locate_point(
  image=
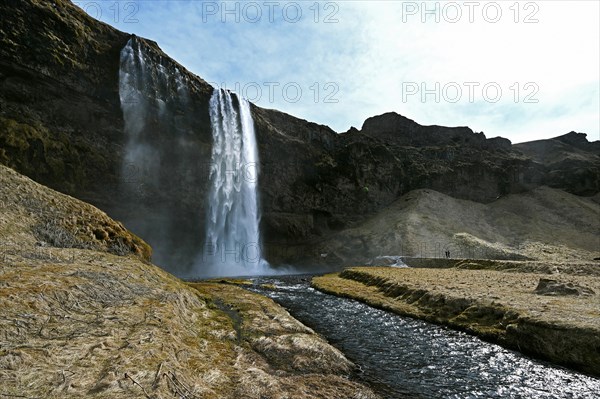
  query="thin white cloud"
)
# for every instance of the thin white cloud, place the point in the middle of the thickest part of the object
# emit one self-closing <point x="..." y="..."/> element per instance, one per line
<point x="371" y="54"/>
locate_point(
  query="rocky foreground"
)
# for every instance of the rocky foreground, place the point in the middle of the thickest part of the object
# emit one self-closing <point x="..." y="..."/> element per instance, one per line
<point x="548" y="311"/>
<point x="84" y="314"/>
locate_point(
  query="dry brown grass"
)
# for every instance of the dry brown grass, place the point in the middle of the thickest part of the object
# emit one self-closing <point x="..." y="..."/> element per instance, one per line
<point x="79" y="321"/>
<point x="58" y="220"/>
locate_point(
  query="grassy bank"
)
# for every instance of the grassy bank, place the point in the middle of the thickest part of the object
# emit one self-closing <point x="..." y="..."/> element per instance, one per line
<point x="557" y="319"/>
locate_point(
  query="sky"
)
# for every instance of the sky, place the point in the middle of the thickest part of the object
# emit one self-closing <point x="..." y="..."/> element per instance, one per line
<point x="524" y="70"/>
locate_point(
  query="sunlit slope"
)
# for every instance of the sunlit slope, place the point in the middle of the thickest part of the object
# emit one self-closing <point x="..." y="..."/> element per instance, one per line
<point x="544" y="224"/>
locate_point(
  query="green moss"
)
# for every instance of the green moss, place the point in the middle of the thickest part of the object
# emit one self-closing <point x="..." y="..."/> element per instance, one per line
<point x="32" y="149"/>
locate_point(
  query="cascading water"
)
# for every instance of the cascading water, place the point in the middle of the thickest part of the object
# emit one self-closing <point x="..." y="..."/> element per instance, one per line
<point x="161" y="171"/>
<point x="147" y="101"/>
<point x="140" y="158"/>
<point x="233" y="245"/>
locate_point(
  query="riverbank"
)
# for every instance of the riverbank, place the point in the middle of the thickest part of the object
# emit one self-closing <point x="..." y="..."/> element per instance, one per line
<point x="85" y="314"/>
<point x="550" y="315"/>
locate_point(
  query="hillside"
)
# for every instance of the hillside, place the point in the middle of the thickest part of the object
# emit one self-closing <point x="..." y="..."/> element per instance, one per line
<point x="543" y="224"/>
<point x="85" y="315"/>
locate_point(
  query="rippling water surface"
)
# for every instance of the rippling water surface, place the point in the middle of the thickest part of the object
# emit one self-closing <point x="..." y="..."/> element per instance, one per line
<point x="405" y="358"/>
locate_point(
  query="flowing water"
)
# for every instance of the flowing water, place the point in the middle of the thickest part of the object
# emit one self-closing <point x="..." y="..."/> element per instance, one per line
<point x="232" y="233"/>
<point x="405" y="358"/>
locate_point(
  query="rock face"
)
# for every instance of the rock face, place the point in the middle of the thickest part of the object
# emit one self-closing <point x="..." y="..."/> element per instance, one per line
<point x="569" y="162"/>
<point x="61" y="123"/>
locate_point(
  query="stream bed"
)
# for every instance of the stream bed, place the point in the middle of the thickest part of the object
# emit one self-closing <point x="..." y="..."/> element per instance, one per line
<point x="400" y="357"/>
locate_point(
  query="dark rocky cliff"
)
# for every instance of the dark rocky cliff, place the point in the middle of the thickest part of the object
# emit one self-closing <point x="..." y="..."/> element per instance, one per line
<point x="61" y="124"/>
<point x="569" y="162"/>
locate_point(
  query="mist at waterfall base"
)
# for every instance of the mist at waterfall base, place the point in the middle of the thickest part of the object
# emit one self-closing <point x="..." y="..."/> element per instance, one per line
<point x="165" y="134"/>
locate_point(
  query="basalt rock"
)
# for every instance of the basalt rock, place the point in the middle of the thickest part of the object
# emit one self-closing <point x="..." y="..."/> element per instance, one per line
<point x="569" y="162"/>
<point x="552" y="287"/>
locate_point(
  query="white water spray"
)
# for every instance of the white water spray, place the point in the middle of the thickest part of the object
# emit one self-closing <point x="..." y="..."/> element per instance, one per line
<point x="158" y="145"/>
<point x="143" y="88"/>
<point x="233" y="245"/>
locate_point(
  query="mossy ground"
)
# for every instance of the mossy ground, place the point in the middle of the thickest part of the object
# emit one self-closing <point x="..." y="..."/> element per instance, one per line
<point x="57" y="220"/>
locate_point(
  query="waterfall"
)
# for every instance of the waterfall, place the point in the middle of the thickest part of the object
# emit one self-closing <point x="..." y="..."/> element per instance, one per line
<point x="160" y="175"/>
<point x="233" y="245"/>
<point x="142" y="89"/>
<point x="163" y="170"/>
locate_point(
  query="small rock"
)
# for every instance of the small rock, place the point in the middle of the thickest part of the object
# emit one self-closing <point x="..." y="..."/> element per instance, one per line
<point x="557" y="288"/>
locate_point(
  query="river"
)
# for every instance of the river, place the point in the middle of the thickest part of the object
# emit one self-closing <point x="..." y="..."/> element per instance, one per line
<point x="400" y="357"/>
